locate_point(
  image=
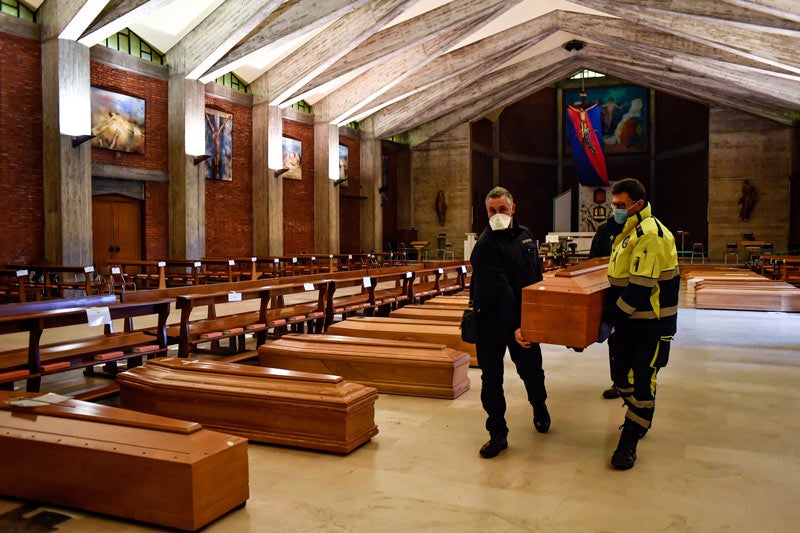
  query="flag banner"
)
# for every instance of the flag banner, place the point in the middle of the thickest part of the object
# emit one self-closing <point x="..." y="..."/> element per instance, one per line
<point x="590" y="162"/>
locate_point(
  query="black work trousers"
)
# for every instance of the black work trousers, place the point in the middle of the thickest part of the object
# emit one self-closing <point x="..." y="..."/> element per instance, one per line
<point x="529" y="367"/>
<point x="639" y="350"/>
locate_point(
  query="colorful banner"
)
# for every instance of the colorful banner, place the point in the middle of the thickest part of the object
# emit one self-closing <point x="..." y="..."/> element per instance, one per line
<point x="590" y="163"/>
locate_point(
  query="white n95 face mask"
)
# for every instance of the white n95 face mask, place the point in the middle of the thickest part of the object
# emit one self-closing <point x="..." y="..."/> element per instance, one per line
<point x="499" y="221"/>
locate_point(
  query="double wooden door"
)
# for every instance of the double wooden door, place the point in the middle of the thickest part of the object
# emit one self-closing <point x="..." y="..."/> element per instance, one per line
<point x="116" y="228"/>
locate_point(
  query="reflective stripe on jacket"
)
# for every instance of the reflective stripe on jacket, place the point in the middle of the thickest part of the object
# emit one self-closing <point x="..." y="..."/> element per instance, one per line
<point x="643" y="270"/>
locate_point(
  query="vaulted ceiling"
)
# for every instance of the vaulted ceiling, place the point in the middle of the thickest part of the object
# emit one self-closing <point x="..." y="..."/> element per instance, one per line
<point x="422" y="67"/>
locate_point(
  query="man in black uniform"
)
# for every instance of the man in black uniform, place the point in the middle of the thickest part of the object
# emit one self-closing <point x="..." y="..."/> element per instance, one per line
<point x="601" y="247"/>
<point x="504" y="260"/>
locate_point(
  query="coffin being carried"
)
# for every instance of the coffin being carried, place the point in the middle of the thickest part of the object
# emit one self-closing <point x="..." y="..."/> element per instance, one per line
<point x="567" y="308"/>
<point x="118" y="462"/>
<point x="272" y="405"/>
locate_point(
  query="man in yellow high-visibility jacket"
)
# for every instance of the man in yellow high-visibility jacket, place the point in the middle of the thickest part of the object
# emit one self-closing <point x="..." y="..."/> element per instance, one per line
<point x="641" y="312"/>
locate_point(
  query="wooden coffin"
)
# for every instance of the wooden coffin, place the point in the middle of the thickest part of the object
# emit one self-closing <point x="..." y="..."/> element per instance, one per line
<point x="263" y="404"/>
<point x="458" y="302"/>
<point x="731" y="277"/>
<point x="567" y="308"/>
<point x="425" y="312"/>
<point x="122" y="463"/>
<point x="766" y="296"/>
<point x="396" y="367"/>
<point x="406" y="329"/>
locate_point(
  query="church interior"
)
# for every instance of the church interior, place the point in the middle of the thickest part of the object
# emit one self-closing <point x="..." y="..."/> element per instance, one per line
<point x="237" y="257"/>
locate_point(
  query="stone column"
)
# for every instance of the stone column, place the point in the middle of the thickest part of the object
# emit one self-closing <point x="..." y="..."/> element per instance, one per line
<point x="187" y="198"/>
<point x="267" y="158"/>
<point x="371" y="172"/>
<point x="66" y="112"/>
<point x="326" y="196"/>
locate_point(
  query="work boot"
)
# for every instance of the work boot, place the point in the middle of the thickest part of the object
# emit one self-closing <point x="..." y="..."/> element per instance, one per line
<point x="493" y="447"/>
<point x="625" y="455"/>
<point x="610" y="394"/>
<point x="541" y="418"/>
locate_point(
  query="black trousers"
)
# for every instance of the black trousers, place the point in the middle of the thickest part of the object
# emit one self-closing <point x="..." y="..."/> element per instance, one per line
<point x="529" y="367"/>
<point x="639" y="350"/>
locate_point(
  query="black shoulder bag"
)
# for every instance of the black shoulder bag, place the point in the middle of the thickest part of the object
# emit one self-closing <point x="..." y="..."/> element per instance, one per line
<point x="469" y="320"/>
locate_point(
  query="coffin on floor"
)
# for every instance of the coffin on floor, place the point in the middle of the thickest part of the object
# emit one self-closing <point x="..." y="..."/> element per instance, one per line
<point x="406" y="329"/>
<point x="277" y="406"/>
<point x="426" y="312"/>
<point x="761" y="296"/>
<point x="567" y="308"/>
<point x="397" y="367"/>
<point x="121" y="463"/>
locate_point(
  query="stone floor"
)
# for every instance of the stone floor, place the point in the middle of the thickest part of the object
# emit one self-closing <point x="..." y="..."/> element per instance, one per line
<point x="723" y="454"/>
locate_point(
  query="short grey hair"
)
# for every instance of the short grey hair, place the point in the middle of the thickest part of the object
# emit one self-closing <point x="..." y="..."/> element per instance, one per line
<point x="500" y="192"/>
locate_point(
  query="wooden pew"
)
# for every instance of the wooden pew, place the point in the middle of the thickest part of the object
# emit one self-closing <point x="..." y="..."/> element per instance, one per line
<point x="429" y="312"/>
<point x="395" y="367"/>
<point x="53" y="280"/>
<point x="148" y="274"/>
<point x="36" y="360"/>
<point x="350" y="303"/>
<point x="121" y="463"/>
<point x="447" y="333"/>
<point x="392" y="289"/>
<point x="316" y="411"/>
<point x="14" y="285"/>
<point x="216" y="326"/>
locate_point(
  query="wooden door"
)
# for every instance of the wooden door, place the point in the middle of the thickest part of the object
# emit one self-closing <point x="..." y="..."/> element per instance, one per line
<point x="116" y="225"/>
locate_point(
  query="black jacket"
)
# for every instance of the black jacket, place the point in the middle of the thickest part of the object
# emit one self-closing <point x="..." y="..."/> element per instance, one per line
<point x="604" y="237"/>
<point x="503" y="262"/>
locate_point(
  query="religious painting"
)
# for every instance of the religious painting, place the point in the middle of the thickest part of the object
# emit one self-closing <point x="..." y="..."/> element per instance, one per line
<point x="219" y="145"/>
<point x="624" y="112"/>
<point x="594" y="206"/>
<point x="117" y="121"/>
<point x="343" y="164"/>
<point x="292" y="156"/>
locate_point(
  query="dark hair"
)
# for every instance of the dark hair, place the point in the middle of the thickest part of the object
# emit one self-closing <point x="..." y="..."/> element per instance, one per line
<point x="633" y="187"/>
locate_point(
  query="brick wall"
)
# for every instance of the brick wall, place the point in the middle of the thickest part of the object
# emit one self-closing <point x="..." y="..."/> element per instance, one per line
<point x="229" y="211"/>
<point x="298" y="195"/>
<point x="154" y="92"/>
<point x="21" y="174"/>
<point x="349" y="201"/>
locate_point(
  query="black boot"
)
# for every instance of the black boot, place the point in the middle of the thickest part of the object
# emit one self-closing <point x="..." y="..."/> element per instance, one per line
<point x="493" y="447"/>
<point x="610" y="394"/>
<point x="625" y="455"/>
<point x="541" y="418"/>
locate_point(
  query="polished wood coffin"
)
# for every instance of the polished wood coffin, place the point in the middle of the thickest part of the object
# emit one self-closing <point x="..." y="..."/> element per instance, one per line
<point x="458" y="302"/>
<point x="567" y="308"/>
<point x="759" y="296"/>
<point x="406" y="329"/>
<point x="396" y="367"/>
<point x="122" y="463"/>
<point x="271" y="405"/>
<point x="426" y="312"/>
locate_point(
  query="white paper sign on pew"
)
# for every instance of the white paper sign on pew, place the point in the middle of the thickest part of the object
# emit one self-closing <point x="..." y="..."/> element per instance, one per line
<point x="116" y="270"/>
<point x="308" y="286"/>
<point x="98" y="316"/>
<point x="409" y="275"/>
<point x="234" y="296"/>
<point x="463" y="269"/>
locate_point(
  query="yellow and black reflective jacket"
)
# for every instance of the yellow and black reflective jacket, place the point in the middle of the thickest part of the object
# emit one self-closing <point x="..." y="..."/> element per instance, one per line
<point x="643" y="272"/>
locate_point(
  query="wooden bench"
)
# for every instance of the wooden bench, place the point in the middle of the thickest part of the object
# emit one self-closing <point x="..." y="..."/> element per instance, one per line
<point x="194" y="331"/>
<point x="447" y="333"/>
<point x="37" y="360"/>
<point x="395" y="367"/>
<point x="59" y="281"/>
<point x="148" y="274"/>
<point x="121" y="463"/>
<point x="392" y="290"/>
<point x="316" y="411"/>
<point x="351" y="303"/>
<point x="14" y="286"/>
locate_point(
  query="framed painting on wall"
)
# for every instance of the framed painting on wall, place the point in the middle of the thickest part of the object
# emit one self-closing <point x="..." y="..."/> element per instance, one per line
<point x="292" y="158"/>
<point x="219" y="144"/>
<point x="624" y="112"/>
<point x="343" y="164"/>
<point x="117" y="121"/>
